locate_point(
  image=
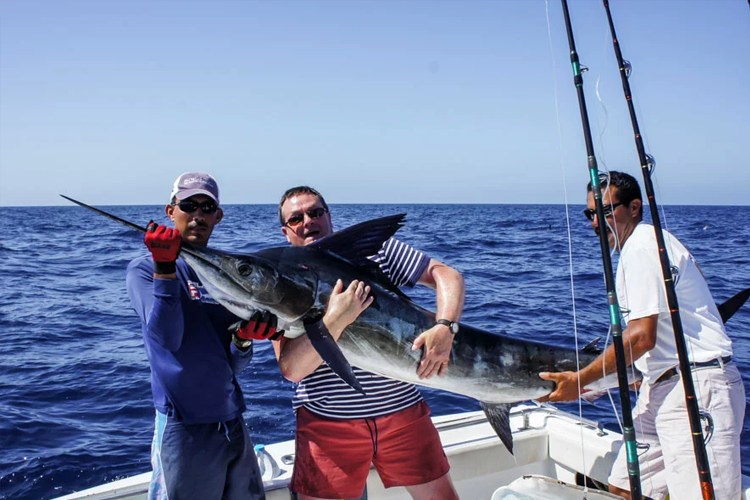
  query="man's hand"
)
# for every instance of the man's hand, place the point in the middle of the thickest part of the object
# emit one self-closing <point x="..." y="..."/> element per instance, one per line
<point x="260" y="326"/>
<point x="164" y="244"/>
<point x="566" y="388"/>
<point x="345" y="306"/>
<point x="437" y="343"/>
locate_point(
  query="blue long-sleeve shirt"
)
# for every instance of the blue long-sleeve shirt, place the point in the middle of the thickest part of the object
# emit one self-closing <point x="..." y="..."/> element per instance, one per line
<point x="192" y="356"/>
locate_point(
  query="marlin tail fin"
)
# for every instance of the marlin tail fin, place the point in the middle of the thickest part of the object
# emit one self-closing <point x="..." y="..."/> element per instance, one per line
<point x="728" y="308"/>
<point x="499" y="418"/>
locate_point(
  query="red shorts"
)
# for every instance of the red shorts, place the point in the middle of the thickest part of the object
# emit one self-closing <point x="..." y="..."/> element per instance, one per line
<point x="333" y="456"/>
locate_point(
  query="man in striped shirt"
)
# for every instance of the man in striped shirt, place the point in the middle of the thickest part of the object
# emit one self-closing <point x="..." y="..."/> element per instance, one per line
<point x="339" y="431"/>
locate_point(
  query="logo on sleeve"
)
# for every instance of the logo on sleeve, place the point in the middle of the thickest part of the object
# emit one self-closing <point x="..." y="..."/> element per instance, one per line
<point x="199" y="292"/>
<point x="675" y="274"/>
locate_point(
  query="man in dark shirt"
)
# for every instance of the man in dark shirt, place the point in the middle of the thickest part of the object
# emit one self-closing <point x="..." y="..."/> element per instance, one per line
<point x="201" y="448"/>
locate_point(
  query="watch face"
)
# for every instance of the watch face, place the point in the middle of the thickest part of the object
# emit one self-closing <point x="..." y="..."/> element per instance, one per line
<point x="452" y="325"/>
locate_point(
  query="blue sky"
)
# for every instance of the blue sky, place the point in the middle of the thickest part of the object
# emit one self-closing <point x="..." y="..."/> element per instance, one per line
<point x="368" y="101"/>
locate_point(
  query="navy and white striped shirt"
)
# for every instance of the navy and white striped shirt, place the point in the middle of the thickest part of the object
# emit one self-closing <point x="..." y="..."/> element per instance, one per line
<point x="324" y="393"/>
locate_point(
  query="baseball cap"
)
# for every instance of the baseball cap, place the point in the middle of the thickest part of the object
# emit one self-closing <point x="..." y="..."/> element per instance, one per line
<point x="192" y="183"/>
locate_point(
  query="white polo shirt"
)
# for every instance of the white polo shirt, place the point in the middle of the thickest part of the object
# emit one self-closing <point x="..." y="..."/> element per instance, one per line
<point x="641" y="292"/>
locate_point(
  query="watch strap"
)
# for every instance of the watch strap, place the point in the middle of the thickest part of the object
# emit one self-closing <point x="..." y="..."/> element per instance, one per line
<point x="452" y="325"/>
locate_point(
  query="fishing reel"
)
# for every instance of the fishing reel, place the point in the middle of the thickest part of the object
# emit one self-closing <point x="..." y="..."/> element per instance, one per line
<point x="708" y="429"/>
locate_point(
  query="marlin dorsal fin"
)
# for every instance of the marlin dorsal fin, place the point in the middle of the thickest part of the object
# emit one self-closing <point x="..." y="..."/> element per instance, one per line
<point x="357" y="242"/>
<point x="592" y="347"/>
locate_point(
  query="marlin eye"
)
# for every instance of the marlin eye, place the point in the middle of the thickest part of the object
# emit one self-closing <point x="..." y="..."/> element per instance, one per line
<point x="244" y="268"/>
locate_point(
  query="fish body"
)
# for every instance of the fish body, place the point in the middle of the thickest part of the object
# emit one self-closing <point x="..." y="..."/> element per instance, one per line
<point x="295" y="283"/>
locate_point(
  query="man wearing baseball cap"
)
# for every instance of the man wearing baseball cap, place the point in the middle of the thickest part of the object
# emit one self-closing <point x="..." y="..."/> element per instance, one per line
<point x="201" y="448"/>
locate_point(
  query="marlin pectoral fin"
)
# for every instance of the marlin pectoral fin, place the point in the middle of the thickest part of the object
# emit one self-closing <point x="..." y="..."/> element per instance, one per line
<point x="728" y="308"/>
<point x="327" y="348"/>
<point x="499" y="418"/>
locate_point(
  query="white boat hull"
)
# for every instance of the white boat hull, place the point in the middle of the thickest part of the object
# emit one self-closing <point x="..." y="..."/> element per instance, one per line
<point x="547" y="442"/>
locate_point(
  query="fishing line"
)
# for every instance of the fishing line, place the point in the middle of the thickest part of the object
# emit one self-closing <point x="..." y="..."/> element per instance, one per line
<point x="647" y="166"/>
<point x="602" y="107"/>
<point x="663" y="212"/>
<point x="570" y="235"/>
<point x="600" y="139"/>
<point x="633" y="468"/>
<point x="617" y="246"/>
<point x="609" y="391"/>
<point x="688" y="340"/>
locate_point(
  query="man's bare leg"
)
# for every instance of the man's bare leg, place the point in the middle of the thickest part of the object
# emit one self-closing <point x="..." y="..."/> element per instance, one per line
<point x="439" y="489"/>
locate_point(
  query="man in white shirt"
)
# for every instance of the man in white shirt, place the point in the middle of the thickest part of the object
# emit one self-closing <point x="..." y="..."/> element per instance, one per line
<point x="660" y="416"/>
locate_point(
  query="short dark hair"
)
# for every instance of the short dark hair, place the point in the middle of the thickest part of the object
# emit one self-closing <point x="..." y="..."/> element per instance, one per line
<point x="299" y="190"/>
<point x="626" y="187"/>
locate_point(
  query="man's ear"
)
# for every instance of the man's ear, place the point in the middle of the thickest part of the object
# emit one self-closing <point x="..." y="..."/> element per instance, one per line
<point x="219" y="215"/>
<point x="169" y="210"/>
<point x="635" y="208"/>
<point x="284" y="231"/>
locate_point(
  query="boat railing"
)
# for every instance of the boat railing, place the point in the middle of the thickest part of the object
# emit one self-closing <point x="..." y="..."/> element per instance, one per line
<point x="525" y="412"/>
<point x="554" y="412"/>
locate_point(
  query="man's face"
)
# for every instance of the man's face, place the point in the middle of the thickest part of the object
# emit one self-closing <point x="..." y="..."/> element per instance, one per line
<point x="309" y="229"/>
<point x="195" y="226"/>
<point x="622" y="219"/>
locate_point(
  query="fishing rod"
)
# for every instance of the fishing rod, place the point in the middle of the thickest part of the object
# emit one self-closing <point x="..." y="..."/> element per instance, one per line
<point x="634" y="474"/>
<point x="647" y="168"/>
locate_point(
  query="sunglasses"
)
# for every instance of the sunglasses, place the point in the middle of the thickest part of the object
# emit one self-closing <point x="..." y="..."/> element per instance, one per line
<point x="297" y="219"/>
<point x="608" y="209"/>
<point x="208" y="207"/>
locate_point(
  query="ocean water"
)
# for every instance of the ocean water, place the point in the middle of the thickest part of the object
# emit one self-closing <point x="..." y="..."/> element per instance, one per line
<point x="75" y="402"/>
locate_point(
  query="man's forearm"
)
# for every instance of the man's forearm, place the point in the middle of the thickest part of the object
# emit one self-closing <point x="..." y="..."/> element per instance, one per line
<point x="636" y="344"/>
<point x="298" y="358"/>
<point x="157" y="303"/>
<point x="450" y="292"/>
<point x="166" y="321"/>
<point x="605" y="364"/>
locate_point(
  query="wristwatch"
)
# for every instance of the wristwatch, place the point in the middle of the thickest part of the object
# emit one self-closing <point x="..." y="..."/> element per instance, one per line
<point x="452" y="325"/>
<point x="242" y="344"/>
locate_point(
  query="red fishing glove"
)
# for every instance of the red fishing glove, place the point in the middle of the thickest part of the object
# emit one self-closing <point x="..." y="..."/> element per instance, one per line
<point x="164" y="244"/>
<point x="260" y="326"/>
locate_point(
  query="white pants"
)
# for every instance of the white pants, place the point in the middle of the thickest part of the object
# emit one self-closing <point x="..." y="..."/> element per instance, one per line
<point x="660" y="419"/>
